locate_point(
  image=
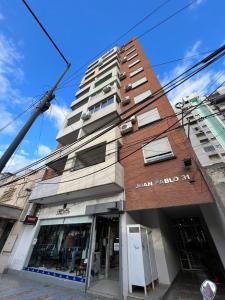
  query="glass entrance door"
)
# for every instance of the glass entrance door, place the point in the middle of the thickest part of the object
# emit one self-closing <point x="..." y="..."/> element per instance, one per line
<point x="105" y="255"/>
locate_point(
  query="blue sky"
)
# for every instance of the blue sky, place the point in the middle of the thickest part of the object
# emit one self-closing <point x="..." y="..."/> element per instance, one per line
<point x="29" y="64"/>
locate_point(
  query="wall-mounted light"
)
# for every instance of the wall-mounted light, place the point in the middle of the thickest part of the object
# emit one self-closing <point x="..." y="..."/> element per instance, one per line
<point x="187" y="162"/>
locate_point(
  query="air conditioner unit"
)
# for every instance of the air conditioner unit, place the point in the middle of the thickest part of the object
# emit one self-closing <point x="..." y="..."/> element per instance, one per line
<point x="86" y="115"/>
<point x="128" y="87"/>
<point x="107" y="89"/>
<point x="126" y="127"/>
<point x="133" y="119"/>
<point x="123" y="60"/>
<point x="122" y="75"/>
<point x="125" y="100"/>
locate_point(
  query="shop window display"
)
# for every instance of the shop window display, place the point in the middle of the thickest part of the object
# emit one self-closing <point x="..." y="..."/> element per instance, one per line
<point x="62" y="248"/>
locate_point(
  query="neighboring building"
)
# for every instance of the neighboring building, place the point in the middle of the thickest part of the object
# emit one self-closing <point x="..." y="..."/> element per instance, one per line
<point x="14" y="207"/>
<point x="94" y="202"/>
<point x="206" y="131"/>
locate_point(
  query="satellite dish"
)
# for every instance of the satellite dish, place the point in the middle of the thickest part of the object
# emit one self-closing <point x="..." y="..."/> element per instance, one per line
<point x="208" y="290"/>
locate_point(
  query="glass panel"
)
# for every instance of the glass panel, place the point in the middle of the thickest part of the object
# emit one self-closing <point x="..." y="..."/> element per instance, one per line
<point x="62" y="248"/>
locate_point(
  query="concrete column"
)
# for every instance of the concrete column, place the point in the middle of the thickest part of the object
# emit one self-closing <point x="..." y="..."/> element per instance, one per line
<point x="216" y="225"/>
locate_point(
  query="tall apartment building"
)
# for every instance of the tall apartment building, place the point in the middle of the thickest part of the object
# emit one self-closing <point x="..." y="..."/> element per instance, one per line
<point x="98" y="200"/>
<point x="206" y="128"/>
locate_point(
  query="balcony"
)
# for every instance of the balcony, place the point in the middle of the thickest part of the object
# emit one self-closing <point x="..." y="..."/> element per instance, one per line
<point x="69" y="134"/>
<point x="87" y="173"/>
<point x="101" y="95"/>
<point x="70" y="186"/>
<point x="101" y="118"/>
<point x="45" y="189"/>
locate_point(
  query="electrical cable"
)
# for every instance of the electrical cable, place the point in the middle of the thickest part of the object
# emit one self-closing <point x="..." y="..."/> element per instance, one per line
<point x="45" y="31"/>
<point x="76" y="84"/>
<point x="118" y="39"/>
<point x="149" y="30"/>
<point x="138" y="141"/>
<point x="20" y="114"/>
<point x="116" y="124"/>
<point x="155" y="100"/>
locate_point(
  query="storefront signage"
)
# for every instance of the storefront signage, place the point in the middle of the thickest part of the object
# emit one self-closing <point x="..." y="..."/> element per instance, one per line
<point x="30" y="220"/>
<point x="167" y="180"/>
<point x="63" y="211"/>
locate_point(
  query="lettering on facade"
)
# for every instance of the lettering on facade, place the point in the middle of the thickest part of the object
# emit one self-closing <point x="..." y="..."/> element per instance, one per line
<point x="63" y="211"/>
<point x="167" y="180"/>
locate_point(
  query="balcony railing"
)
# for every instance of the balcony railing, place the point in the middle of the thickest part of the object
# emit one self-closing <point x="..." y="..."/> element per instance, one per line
<point x="45" y="189"/>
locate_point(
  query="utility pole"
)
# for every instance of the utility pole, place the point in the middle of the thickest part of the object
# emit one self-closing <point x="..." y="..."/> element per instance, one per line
<point x="42" y="106"/>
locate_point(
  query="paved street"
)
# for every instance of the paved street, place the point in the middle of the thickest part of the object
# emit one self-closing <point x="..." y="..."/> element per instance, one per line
<point x="15" y="288"/>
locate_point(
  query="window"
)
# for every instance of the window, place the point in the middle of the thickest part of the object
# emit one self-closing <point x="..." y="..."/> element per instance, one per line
<point x="148" y="117"/>
<point x="134" y="63"/>
<point x="218" y="146"/>
<point x="136" y="71"/>
<point x="90" y="157"/>
<point x="131" y="51"/>
<point x="141" y="97"/>
<point x="200" y="134"/>
<point x="132" y="56"/>
<point x="101" y="104"/>
<point x="74" y="119"/>
<point x="157" y="150"/>
<point x="107" y="77"/>
<point x="204" y="141"/>
<point x="209" y="148"/>
<point x="81" y="103"/>
<point x="139" y="82"/>
<point x="81" y="93"/>
<point x="214" y="156"/>
<point x="130" y="47"/>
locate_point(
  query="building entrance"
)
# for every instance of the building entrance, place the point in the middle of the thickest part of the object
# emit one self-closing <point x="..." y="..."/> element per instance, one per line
<point x="195" y="247"/>
<point x="104" y="269"/>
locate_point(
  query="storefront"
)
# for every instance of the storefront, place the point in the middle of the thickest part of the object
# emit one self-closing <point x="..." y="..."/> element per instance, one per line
<point x="79" y="242"/>
<point x="61" y="248"/>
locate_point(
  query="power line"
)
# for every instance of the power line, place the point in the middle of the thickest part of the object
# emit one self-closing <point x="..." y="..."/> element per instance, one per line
<point x="138" y="141"/>
<point x="38" y="162"/>
<point x="69" y="79"/>
<point x="69" y="146"/>
<point x="20" y="114"/>
<point x="166" y="19"/>
<point x="152" y="66"/>
<point x="126" y="156"/>
<point x="46" y="33"/>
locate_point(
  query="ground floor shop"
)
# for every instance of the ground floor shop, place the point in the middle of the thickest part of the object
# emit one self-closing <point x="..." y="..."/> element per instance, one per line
<point x="114" y="253"/>
<point x="68" y="245"/>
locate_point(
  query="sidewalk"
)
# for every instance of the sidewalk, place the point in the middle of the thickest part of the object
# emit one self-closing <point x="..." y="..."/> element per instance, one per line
<point x="16" y="288"/>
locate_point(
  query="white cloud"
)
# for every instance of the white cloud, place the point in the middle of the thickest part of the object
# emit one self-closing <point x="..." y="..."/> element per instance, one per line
<point x="57" y="114"/>
<point x="197" y="3"/>
<point x="6" y="117"/>
<point x="18" y="161"/>
<point x="10" y="73"/>
<point x="43" y="150"/>
<point x="201" y="83"/>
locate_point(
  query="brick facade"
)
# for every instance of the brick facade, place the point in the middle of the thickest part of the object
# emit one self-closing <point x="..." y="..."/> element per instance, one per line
<point x="175" y="191"/>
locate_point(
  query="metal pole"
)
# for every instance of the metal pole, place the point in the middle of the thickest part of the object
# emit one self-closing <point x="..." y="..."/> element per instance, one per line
<point x="43" y="105"/>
